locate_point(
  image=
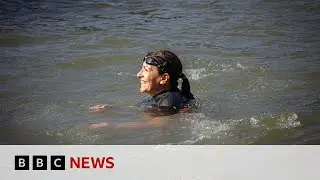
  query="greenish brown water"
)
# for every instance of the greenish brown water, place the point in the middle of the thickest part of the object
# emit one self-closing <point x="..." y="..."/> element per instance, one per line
<point x="253" y="68"/>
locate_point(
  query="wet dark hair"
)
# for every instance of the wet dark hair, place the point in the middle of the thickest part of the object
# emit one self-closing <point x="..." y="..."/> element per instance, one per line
<point x="172" y="65"/>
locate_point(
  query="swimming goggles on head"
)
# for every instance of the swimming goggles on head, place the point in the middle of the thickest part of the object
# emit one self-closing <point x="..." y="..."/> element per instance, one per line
<point x="156" y="61"/>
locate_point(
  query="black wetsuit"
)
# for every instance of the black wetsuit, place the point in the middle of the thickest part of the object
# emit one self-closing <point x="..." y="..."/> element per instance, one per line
<point x="170" y="98"/>
<point x="167" y="102"/>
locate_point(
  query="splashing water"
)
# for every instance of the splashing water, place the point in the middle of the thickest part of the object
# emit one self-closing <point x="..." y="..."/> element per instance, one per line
<point x="204" y="129"/>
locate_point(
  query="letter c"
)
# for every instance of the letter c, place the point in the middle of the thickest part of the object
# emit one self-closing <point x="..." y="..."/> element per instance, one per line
<point x="55" y="162"/>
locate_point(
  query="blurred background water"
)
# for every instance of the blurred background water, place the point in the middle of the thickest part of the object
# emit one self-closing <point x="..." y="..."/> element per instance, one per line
<point x="253" y="66"/>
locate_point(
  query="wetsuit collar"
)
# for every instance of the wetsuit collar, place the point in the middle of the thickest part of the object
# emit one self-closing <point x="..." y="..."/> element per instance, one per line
<point x="167" y="90"/>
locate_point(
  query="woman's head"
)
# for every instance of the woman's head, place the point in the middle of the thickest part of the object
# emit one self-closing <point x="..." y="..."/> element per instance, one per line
<point x="160" y="71"/>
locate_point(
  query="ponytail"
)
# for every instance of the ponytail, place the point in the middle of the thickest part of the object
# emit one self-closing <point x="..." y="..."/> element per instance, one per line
<point x="185" y="87"/>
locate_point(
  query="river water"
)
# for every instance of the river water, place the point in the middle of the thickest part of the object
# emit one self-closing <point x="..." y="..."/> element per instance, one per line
<point x="253" y="66"/>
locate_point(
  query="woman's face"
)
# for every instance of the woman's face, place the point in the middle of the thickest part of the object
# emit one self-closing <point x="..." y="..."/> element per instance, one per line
<point x="149" y="79"/>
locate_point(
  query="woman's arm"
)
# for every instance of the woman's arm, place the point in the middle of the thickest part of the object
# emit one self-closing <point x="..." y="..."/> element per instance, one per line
<point x="156" y="117"/>
<point x="155" y="122"/>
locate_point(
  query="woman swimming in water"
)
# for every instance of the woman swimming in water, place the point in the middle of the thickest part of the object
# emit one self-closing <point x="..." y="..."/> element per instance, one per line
<point x="158" y="77"/>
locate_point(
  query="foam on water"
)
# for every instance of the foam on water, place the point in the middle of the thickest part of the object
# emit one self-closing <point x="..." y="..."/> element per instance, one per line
<point x="215" y="68"/>
<point x="259" y="84"/>
<point x="197" y="74"/>
<point x="231" y="131"/>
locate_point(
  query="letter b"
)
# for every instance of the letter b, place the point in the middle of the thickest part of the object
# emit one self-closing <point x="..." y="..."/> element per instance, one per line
<point x="21" y="162"/>
<point x="39" y="162"/>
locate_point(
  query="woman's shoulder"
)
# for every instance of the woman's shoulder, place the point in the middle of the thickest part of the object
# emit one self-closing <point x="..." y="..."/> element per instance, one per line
<point x="146" y="103"/>
<point x="170" y="99"/>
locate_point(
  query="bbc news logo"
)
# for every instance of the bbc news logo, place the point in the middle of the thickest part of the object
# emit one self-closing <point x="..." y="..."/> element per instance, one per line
<point x="58" y="162"/>
<point x="39" y="162"/>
